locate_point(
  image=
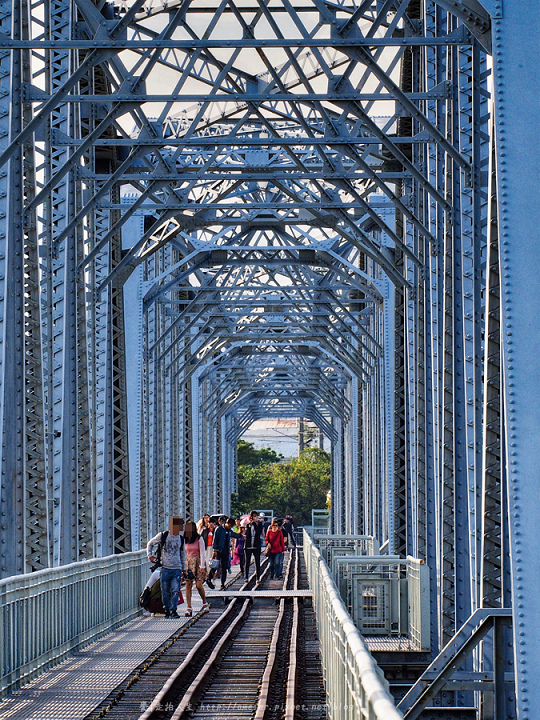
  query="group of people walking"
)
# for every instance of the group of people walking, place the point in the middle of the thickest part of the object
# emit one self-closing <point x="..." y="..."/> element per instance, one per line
<point x="181" y="553"/>
<point x="197" y="552"/>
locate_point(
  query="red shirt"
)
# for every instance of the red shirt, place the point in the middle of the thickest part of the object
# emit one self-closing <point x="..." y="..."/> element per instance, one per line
<point x="275" y="539"/>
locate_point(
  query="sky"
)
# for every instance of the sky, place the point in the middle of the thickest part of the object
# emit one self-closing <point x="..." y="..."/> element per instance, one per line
<point x="279" y="434"/>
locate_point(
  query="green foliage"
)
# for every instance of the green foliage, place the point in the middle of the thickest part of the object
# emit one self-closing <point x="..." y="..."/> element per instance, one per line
<point x="249" y="455"/>
<point x="295" y="487"/>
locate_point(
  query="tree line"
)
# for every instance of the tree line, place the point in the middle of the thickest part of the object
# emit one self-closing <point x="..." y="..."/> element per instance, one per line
<point x="295" y="487"/>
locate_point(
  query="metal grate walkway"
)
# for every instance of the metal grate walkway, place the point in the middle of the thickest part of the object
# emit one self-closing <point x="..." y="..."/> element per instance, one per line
<point x="73" y="688"/>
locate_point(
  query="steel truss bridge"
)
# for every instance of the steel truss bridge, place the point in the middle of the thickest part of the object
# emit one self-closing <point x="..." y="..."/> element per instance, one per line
<point x="215" y="211"/>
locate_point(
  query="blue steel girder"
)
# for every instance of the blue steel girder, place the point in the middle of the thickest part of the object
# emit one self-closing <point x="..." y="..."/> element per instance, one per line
<point x="313" y="181"/>
<point x="332" y="407"/>
<point x="516" y="88"/>
<point x="12" y="491"/>
<point x="349" y="167"/>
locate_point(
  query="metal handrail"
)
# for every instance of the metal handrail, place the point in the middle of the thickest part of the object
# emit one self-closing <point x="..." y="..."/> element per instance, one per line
<point x="47" y="614"/>
<point x="355" y="686"/>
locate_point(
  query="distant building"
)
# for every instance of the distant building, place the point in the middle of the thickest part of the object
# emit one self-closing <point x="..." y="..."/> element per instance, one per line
<point x="282" y="435"/>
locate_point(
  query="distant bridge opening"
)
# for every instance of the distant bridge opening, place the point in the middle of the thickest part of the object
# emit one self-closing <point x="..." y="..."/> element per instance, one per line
<point x="215" y="212"/>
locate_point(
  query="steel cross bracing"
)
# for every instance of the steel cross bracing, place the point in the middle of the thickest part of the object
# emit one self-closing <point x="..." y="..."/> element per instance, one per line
<point x="243" y="209"/>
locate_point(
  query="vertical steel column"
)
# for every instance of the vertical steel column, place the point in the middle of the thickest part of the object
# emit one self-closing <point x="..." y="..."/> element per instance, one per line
<point x="150" y="489"/>
<point x="158" y="478"/>
<point x="492" y="491"/>
<point x="12" y="401"/>
<point x="401" y="506"/>
<point x="474" y="142"/>
<point x="435" y="75"/>
<point x="382" y="476"/>
<point x="170" y="496"/>
<point x="174" y="452"/>
<point x="83" y="474"/>
<point x="455" y="599"/>
<point x="517" y="89"/>
<point x="196" y="445"/>
<point x="224" y="449"/>
<point x="224" y="499"/>
<point x="360" y="464"/>
<point x="369" y="499"/>
<point x="38" y="516"/>
<point x="353" y="450"/>
<point x="337" y="479"/>
<point x="189" y="445"/>
<point x="60" y="299"/>
<point x="98" y="339"/>
<point x="389" y="409"/>
<point x="119" y="415"/>
<point x="134" y="343"/>
<point x="416" y="497"/>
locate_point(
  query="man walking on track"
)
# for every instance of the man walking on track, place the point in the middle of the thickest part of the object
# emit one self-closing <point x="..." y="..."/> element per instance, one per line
<point x="254" y="531"/>
<point x="288" y="530"/>
<point x="222" y="547"/>
<point x="167" y="548"/>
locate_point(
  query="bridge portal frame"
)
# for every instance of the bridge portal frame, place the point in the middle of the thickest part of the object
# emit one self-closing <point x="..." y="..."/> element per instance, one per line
<point x="64" y="482"/>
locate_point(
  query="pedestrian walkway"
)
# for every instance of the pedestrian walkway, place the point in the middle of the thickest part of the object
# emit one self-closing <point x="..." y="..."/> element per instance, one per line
<point x="73" y="688"/>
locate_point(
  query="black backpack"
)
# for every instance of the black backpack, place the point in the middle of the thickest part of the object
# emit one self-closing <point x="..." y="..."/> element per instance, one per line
<point x="159" y="551"/>
<point x="162" y="540"/>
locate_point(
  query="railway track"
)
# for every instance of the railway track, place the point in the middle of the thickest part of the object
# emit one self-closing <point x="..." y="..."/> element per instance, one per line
<point x="242" y="663"/>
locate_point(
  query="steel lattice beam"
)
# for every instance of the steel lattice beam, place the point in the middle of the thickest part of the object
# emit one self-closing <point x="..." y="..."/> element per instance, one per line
<point x="262" y="209"/>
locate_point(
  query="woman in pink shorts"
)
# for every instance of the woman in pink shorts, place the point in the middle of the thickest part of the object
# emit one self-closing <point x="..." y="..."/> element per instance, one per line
<point x="196" y="565"/>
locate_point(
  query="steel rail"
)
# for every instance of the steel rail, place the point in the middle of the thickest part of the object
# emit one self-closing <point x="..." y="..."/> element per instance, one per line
<point x="290" y="703"/>
<point x="292" y="676"/>
<point x="198" y="686"/>
<point x="263" y="706"/>
<point x="170" y="686"/>
<point x="261" y="712"/>
<point x="190" y="703"/>
<point x="202" y="645"/>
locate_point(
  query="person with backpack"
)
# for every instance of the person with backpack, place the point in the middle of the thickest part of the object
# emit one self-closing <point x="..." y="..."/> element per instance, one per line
<point x="168" y="550"/>
<point x="239" y="553"/>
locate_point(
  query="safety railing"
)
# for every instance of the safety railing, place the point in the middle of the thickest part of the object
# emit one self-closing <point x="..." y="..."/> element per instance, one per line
<point x="333" y="546"/>
<point x="355" y="686"/>
<point x="419" y="610"/>
<point x="386" y="595"/>
<point x="320" y="520"/>
<point x="47" y="614"/>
